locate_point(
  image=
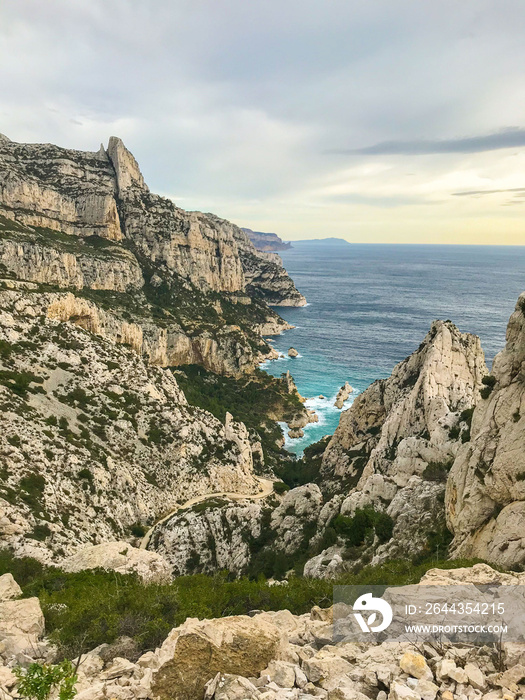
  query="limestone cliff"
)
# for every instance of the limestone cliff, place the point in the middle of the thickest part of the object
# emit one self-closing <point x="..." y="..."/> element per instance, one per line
<point x="95" y="441"/>
<point x="387" y="464"/>
<point x="394" y="446"/>
<point x="88" y="222"/>
<point x="485" y="500"/>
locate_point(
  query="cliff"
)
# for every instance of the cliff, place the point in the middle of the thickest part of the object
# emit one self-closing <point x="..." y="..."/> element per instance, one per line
<point x="268" y="242"/>
<point x="95" y="441"/>
<point x="485" y="499"/>
<point x="87" y="223"/>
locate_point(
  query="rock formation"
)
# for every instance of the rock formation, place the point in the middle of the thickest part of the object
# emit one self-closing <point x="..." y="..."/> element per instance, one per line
<point x="95" y="440"/>
<point x="342" y="395"/>
<point x="292" y="352"/>
<point x="266" y="242"/>
<point x="485" y="499"/>
<point x="394" y="446"/>
<point x="88" y="222"/>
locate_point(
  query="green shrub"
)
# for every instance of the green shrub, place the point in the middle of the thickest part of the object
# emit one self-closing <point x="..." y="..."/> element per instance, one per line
<point x="454" y="432"/>
<point x="88" y="608"/>
<point x="40" y="532"/>
<point x="138" y="530"/>
<point x="488" y="381"/>
<point x="466" y="415"/>
<point x="280" y="487"/>
<point x="38" y="681"/>
<point x="365" y="521"/>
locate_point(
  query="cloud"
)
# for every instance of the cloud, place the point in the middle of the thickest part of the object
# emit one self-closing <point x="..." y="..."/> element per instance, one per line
<point x="507" y="138"/>
<point x="518" y="192"/>
<point x="232" y="106"/>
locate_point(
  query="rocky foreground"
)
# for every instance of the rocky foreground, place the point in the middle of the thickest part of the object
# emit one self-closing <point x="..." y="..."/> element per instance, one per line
<point x="271" y="656"/>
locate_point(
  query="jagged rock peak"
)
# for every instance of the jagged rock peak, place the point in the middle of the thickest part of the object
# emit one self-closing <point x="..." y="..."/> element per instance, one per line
<point x="394" y="445"/>
<point x="4" y="138"/>
<point x="126" y="167"/>
<point x="485" y="499"/>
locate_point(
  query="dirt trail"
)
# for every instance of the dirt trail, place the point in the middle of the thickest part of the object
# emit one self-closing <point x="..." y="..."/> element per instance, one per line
<point x="266" y="490"/>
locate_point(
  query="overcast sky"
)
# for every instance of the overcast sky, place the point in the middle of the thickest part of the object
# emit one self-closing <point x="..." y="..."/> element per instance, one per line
<point x="373" y="120"/>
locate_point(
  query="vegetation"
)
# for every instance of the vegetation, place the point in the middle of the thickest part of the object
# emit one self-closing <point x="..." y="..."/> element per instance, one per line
<point x="363" y="524"/>
<point x="489" y="381"/>
<point x="296" y="472"/>
<point x="38" y="681"/>
<point x="88" y="608"/>
<point x="257" y="399"/>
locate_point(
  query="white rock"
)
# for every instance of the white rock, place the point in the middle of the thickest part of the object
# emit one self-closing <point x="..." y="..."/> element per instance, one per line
<point x="9" y="588"/>
<point x="120" y="557"/>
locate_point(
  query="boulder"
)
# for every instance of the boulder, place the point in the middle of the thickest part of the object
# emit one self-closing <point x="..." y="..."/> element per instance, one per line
<point x="292" y="352"/>
<point x="415" y="665"/>
<point x="120" y="557"/>
<point x="22" y="618"/>
<point x="9" y="588"/>
<point x="479" y="574"/>
<point x="195" y="652"/>
<point x="296" y="433"/>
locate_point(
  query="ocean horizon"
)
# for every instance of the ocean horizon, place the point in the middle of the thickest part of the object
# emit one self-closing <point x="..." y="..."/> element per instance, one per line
<point x="370" y="305"/>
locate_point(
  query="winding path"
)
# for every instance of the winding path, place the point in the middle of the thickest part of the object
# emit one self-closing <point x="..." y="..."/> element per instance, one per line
<point x="266" y="490"/>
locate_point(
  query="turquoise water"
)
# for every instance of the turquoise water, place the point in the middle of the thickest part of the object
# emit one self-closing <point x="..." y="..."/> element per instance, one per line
<point x="369" y="306"/>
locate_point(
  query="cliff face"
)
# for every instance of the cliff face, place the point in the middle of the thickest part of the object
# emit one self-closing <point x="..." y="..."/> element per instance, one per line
<point x="59" y="189"/>
<point x="95" y="440"/>
<point x="268" y="242"/>
<point x="389" y="458"/>
<point x="192" y="286"/>
<point x="393" y="448"/>
<point x="485" y="500"/>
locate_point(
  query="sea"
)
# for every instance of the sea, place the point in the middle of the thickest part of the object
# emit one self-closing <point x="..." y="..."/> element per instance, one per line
<point x="370" y="306"/>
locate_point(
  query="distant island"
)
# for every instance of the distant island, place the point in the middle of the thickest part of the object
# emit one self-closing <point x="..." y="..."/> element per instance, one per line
<point x="267" y="242"/>
<point x="321" y="242"/>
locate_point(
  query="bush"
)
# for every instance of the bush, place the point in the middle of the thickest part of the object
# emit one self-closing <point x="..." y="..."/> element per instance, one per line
<point x="138" y="530"/>
<point x="40" y="680"/>
<point x="489" y="381"/>
<point x="88" y="608"/>
<point x="364" y="522"/>
<point x="280" y="487"/>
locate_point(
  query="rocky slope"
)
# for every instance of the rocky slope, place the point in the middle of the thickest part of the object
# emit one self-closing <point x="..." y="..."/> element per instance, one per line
<point x="485" y="499"/>
<point x="381" y="483"/>
<point x="87" y="222"/>
<point x="95" y="440"/>
<point x="273" y="656"/>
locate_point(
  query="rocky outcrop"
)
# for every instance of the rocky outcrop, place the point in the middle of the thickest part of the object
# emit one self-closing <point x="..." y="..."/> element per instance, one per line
<point x="393" y="448"/>
<point x="70" y="191"/>
<point x="292" y="352"/>
<point x="266" y="241"/>
<point x="67" y="262"/>
<point x="485" y="499"/>
<point x="266" y="280"/>
<point x="95" y="440"/>
<point x="87" y="221"/>
<point x="21" y="629"/>
<point x="342" y="395"/>
<point x="195" y="652"/>
<point x="122" y="558"/>
<point x="219" y="535"/>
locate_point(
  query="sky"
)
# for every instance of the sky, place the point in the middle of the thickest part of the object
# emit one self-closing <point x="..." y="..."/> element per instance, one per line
<point x="384" y="121"/>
